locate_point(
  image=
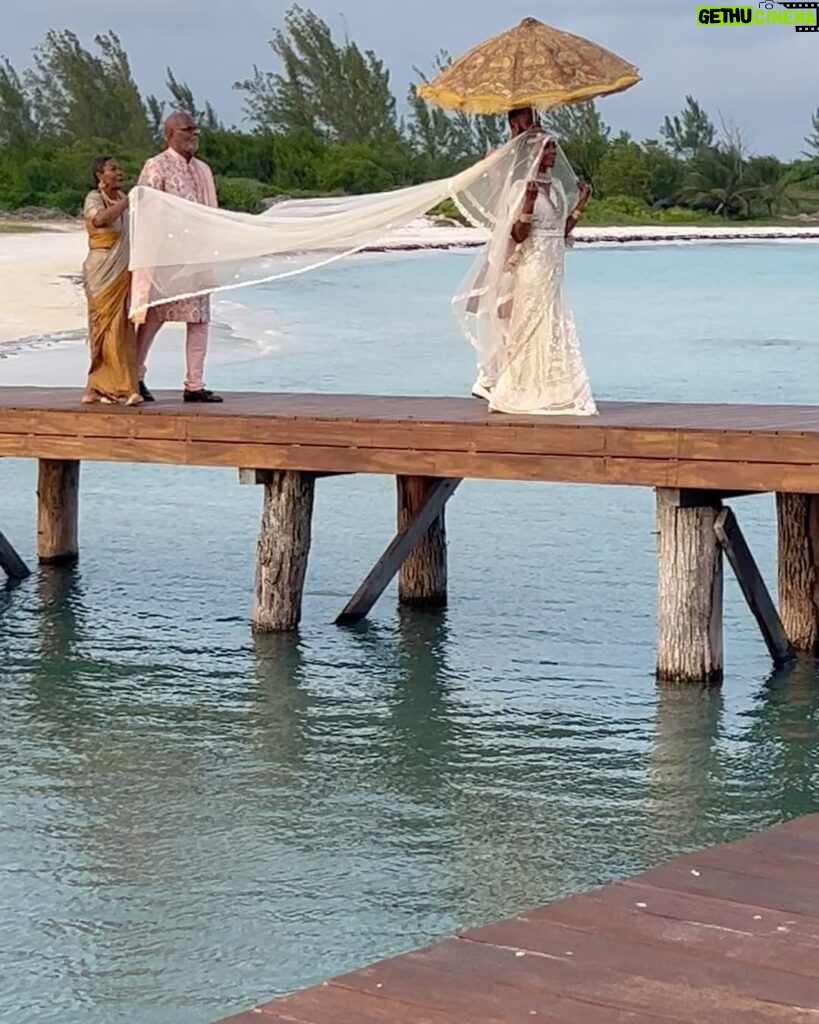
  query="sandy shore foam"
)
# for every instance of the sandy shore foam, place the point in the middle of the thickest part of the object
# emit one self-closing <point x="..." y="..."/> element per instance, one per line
<point x="41" y="294"/>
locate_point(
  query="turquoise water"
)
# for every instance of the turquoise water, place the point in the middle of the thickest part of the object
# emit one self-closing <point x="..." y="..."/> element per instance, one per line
<point x="191" y="821"/>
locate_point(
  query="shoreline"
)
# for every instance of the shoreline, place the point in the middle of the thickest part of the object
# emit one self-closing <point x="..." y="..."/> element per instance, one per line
<point x="40" y="269"/>
<point x="423" y="235"/>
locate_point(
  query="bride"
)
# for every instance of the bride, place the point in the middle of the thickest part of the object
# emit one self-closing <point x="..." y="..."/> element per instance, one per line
<point x="513" y="308"/>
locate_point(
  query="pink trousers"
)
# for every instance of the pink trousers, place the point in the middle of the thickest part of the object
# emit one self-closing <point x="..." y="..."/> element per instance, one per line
<point x="196" y="348"/>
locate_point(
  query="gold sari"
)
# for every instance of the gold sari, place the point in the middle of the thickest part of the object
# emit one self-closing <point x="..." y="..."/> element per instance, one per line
<point x="111" y="335"/>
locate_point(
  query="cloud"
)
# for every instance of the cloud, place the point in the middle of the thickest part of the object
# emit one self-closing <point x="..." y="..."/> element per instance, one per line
<point x="757" y="76"/>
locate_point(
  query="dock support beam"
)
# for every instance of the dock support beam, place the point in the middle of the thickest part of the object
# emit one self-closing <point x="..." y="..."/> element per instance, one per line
<point x="798" y="569"/>
<point x="283" y="550"/>
<point x="58" y="493"/>
<point x="422" y="578"/>
<point x="10" y="562"/>
<point x="753" y="587"/>
<point x="689" y="604"/>
<point x="420" y="512"/>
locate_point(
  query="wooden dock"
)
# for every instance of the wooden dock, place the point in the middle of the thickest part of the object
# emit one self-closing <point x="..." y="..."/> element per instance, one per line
<point x="729" y="934"/>
<point x="713" y="447"/>
<point x="696" y="457"/>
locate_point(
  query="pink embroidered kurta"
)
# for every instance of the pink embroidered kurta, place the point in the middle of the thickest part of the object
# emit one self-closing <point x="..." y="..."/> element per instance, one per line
<point x="192" y="180"/>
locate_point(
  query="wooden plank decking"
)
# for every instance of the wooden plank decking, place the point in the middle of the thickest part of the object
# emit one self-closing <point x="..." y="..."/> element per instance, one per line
<point x="729" y="934"/>
<point x="739" y="447"/>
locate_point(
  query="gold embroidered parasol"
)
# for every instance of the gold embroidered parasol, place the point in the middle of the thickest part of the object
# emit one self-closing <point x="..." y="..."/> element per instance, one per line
<point x="531" y="65"/>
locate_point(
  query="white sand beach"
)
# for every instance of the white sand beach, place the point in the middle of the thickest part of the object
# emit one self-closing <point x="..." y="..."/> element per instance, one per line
<point x="41" y="293"/>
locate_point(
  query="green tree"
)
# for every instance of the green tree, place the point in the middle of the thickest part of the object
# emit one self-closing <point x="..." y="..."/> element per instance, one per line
<point x="771" y="185"/>
<point x="666" y="174"/>
<point x="624" y="170"/>
<point x="76" y="94"/>
<point x="296" y="159"/>
<point x="244" y="194"/>
<point x="447" y="140"/>
<point x="688" y="132"/>
<point x="444" y="140"/>
<point x="155" y="112"/>
<point x="718" y="178"/>
<point x="805" y="172"/>
<point x="56" y="174"/>
<point x="336" y="90"/>
<point x="583" y="135"/>
<point x="812" y="139"/>
<point x="236" y="155"/>
<point x="17" y="124"/>
<point x="354" y="168"/>
<point x="182" y="99"/>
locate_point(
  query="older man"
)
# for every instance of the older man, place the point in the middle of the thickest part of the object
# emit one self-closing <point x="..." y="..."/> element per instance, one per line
<point x="178" y="172"/>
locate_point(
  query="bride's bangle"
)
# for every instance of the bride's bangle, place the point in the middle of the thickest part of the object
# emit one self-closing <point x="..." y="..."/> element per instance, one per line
<point x="526" y="218"/>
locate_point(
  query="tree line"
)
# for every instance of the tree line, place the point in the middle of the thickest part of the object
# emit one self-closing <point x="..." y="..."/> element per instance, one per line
<point x="329" y="122"/>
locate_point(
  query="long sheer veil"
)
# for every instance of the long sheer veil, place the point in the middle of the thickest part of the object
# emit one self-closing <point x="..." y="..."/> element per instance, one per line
<point x="180" y="249"/>
<point x="483" y="302"/>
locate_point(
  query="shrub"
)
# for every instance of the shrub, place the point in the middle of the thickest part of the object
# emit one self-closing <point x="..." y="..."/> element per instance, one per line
<point x="244" y="194"/>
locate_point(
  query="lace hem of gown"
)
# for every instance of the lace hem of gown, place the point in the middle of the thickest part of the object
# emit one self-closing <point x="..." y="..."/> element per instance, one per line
<point x="587" y="409"/>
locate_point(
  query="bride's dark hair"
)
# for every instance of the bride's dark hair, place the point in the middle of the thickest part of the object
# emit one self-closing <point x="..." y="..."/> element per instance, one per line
<point x="514" y="114"/>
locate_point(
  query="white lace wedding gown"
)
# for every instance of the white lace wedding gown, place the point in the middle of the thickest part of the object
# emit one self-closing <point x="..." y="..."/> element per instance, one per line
<point x="540" y="369"/>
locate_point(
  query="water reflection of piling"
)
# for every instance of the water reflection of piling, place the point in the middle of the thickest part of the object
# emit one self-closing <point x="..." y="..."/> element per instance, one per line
<point x="782" y="739"/>
<point x="421" y="719"/>
<point x="282" y="703"/>
<point x="686" y="779"/>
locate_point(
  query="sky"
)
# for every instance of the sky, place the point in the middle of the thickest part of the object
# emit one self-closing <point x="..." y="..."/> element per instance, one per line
<point x="763" y="79"/>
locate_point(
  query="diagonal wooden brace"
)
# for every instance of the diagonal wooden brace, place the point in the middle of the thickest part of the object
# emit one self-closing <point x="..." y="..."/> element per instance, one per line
<point x="12" y="564"/>
<point x="753" y="587"/>
<point x="399" y="548"/>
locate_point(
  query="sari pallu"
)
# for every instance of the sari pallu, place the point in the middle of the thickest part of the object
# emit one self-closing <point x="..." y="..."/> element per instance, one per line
<point x="112" y="374"/>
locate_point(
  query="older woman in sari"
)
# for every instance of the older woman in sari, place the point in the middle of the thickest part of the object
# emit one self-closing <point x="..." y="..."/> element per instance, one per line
<point x="112" y="376"/>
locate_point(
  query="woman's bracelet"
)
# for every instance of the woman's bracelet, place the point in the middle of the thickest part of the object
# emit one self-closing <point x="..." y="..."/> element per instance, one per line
<point x="526" y="218"/>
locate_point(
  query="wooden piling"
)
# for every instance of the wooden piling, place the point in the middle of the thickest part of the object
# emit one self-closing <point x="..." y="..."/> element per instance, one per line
<point x="798" y="568"/>
<point x="718" y="452"/>
<point x="283" y="550"/>
<point x="422" y="578"/>
<point x="58" y="492"/>
<point x="689" y="600"/>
